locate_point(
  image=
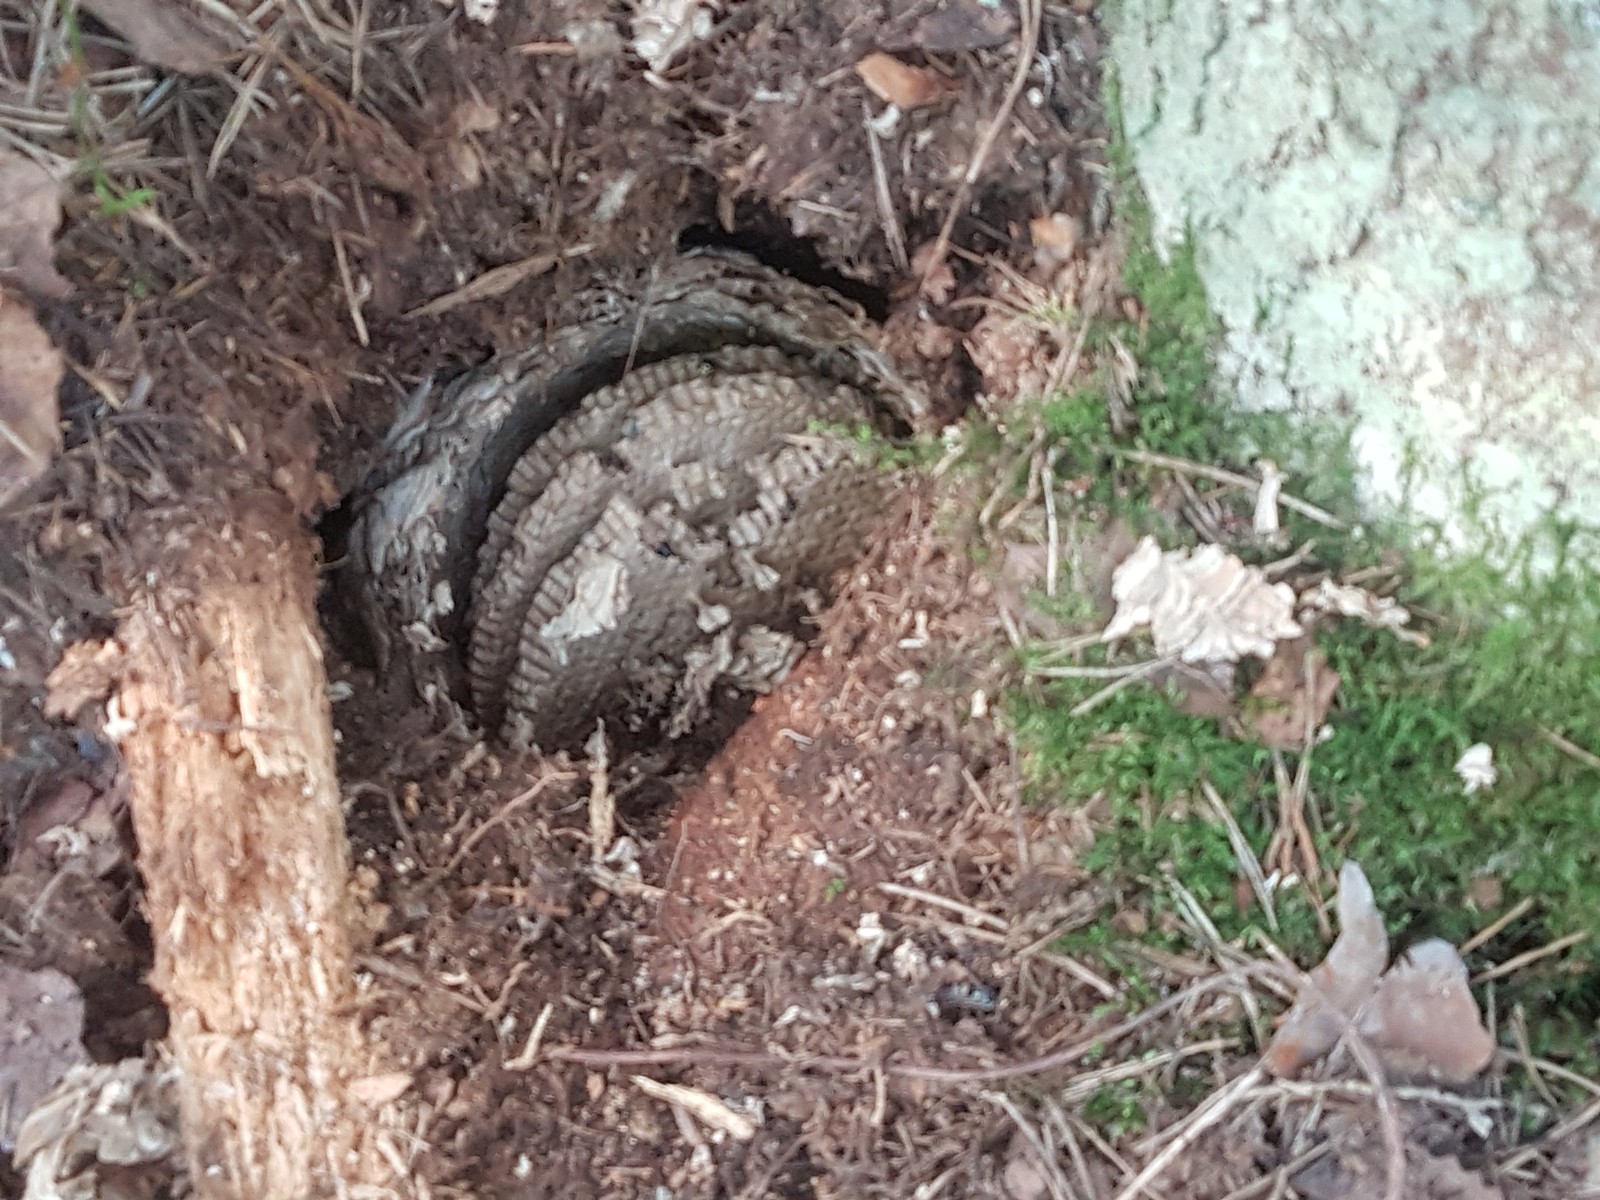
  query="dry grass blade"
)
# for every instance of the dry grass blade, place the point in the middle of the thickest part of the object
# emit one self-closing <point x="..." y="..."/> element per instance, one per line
<point x="500" y="816"/>
<point x="1111" y="689"/>
<point x="1249" y="866"/>
<point x="1050" y="1169"/>
<point x="251" y="95"/>
<point x="495" y="282"/>
<point x="975" y="915"/>
<point x="1517" y="962"/>
<point x="1221" y="475"/>
<point x="1570" y="748"/>
<point x="1517" y="911"/>
<point x="887" y="217"/>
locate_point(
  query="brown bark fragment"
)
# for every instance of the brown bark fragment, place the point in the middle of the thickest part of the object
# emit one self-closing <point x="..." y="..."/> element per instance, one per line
<point x="229" y="751"/>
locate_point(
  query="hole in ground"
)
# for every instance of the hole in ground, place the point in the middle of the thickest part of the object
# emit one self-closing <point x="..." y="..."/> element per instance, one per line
<point x="764" y="235"/>
<point x="742" y="499"/>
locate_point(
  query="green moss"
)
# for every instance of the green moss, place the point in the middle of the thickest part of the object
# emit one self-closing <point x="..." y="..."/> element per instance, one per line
<point x="1117" y="1109"/>
<point x="1383" y="787"/>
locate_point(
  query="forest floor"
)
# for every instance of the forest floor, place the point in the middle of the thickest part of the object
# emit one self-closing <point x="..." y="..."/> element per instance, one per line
<point x="853" y="935"/>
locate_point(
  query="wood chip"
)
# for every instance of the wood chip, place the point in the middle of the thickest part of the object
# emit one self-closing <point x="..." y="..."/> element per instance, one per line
<point x="703" y="1106"/>
<point x="494" y="282"/>
<point x="902" y="85"/>
<point x="378" y="1090"/>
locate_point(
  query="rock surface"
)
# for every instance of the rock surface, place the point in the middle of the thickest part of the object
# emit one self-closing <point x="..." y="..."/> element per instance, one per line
<point x="1396" y="214"/>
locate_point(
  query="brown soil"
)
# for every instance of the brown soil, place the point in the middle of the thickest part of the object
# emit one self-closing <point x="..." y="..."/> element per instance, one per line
<point x="847" y="897"/>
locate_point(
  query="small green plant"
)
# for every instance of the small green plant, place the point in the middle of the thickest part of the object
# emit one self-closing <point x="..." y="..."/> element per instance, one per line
<point x="115" y="202"/>
<point x="1117" y="1109"/>
<point x="887" y="453"/>
<point x="836" y="888"/>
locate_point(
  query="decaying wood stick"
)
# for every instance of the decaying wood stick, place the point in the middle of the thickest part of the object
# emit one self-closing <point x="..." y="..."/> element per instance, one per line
<point x="226" y="738"/>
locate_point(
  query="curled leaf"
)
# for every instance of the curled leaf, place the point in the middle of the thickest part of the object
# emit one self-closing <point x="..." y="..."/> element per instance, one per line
<point x="1419" y="1017"/>
<point x="900" y="84"/>
<point x="1423" y="1021"/>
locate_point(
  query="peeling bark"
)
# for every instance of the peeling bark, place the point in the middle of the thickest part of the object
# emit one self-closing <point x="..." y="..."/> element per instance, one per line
<point x="228" y="745"/>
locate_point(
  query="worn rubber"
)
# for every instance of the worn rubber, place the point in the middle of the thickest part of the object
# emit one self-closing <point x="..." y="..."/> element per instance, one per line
<point x="697" y="488"/>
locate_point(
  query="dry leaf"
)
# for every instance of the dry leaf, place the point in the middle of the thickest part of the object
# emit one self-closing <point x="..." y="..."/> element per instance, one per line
<point x="939" y="284"/>
<point x="1354" y="1166"/>
<point x="1282" y="704"/>
<point x="30" y="373"/>
<point x="1337" y="986"/>
<point x="164" y="33"/>
<point x="1055" y="238"/>
<point x="1203" y="607"/>
<point x="1419" y="1017"/>
<point x="900" y="84"/>
<point x="1423" y="1021"/>
<point x="30" y="210"/>
<point x="41" y="1027"/>
<point x="99" y="1121"/>
<point x="956" y="25"/>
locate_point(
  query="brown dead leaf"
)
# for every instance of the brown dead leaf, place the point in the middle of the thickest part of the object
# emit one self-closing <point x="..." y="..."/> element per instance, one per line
<point x="939" y="284"/>
<point x="1286" y="699"/>
<point x="1354" y="1167"/>
<point x="1423" y="1021"/>
<point x="30" y="210"/>
<point x="902" y="85"/>
<point x="1205" y="691"/>
<point x="165" y="33"/>
<point x="30" y="374"/>
<point x="1339" y="985"/>
<point x="41" y="1024"/>
<point x="1059" y="231"/>
<point x="1419" y="1016"/>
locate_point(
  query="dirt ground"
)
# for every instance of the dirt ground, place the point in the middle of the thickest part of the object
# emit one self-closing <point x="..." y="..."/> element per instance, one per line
<point x="836" y="922"/>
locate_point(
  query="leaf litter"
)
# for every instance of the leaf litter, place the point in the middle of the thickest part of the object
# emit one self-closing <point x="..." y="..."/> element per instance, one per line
<point x="1418" y="1015"/>
<point x="909" y="919"/>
